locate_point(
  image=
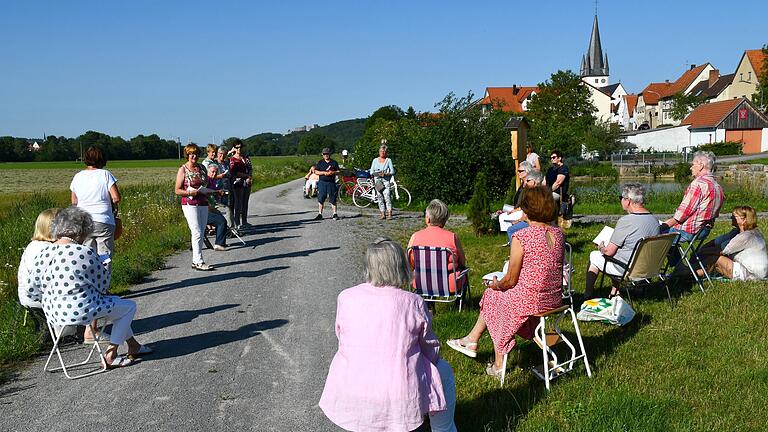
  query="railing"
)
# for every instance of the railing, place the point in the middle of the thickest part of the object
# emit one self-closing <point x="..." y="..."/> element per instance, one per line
<point x="649" y="159"/>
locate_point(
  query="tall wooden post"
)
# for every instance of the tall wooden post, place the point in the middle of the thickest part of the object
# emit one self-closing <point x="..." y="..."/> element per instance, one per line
<point x="518" y="137"/>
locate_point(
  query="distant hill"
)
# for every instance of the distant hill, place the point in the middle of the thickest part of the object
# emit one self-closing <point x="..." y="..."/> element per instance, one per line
<point x="345" y="133"/>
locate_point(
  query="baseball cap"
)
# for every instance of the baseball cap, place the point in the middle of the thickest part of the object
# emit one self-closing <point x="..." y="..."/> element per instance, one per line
<point x="326" y="150"/>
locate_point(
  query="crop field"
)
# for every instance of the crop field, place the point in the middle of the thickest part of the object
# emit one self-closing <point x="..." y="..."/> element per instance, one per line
<point x="24" y="177"/>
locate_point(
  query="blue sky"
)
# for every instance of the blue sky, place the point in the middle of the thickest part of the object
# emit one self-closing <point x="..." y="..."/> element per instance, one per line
<point x="200" y="70"/>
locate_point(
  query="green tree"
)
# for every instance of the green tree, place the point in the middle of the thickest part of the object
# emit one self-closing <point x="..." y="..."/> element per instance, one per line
<point x="682" y="104"/>
<point x="603" y="138"/>
<point x="480" y="207"/>
<point x="388" y="112"/>
<point x="760" y="98"/>
<point x="314" y="143"/>
<point x="560" y="114"/>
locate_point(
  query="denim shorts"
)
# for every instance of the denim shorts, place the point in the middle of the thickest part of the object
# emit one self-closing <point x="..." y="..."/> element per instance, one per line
<point x="326" y="189"/>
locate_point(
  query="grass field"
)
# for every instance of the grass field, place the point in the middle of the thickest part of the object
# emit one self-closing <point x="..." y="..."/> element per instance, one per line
<point x="153" y="228"/>
<point x="698" y="367"/>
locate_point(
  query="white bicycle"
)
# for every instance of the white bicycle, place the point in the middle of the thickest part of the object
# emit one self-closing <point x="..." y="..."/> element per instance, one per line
<point x="364" y="194"/>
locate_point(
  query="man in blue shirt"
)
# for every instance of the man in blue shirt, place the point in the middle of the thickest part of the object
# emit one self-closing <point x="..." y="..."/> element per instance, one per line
<point x="327" y="169"/>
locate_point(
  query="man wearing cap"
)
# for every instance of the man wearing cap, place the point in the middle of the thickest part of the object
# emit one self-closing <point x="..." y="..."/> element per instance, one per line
<point x="327" y="169"/>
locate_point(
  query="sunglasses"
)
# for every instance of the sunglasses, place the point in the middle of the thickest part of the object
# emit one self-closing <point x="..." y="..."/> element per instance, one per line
<point x="520" y="170"/>
<point x="553" y="157"/>
<point x="621" y="197"/>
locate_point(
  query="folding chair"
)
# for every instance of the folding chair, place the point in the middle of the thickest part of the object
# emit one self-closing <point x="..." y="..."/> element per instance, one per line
<point x="693" y="250"/>
<point x="546" y="340"/>
<point x="432" y="278"/>
<point x="645" y="263"/>
<point x="57" y="333"/>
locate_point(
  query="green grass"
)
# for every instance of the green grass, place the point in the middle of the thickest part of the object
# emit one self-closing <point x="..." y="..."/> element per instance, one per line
<point x="700" y="366"/>
<point x="763" y="161"/>
<point x="153" y="228"/>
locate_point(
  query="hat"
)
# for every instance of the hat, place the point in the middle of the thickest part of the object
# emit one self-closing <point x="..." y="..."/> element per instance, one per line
<point x="326" y="150"/>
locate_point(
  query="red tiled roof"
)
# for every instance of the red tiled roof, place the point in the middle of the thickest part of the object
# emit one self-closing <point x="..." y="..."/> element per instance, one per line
<point x="631" y="101"/>
<point x="710" y="115"/>
<point x="653" y="91"/>
<point x="505" y="99"/>
<point x="757" y="58"/>
<point x="684" y="81"/>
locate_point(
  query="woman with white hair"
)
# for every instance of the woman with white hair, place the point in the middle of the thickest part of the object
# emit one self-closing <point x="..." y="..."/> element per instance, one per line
<point x="638" y="224"/>
<point x="74" y="283"/>
<point x="382" y="171"/>
<point x="387" y="373"/>
<point x="435" y="235"/>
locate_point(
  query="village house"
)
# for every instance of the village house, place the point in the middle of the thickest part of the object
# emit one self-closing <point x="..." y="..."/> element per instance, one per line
<point x="747" y="76"/>
<point x="508" y="99"/>
<point x="684" y="85"/>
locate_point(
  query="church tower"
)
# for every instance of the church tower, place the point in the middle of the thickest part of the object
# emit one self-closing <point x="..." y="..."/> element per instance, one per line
<point x="594" y="64"/>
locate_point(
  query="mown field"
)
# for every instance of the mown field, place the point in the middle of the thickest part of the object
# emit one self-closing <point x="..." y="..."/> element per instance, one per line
<point x="154" y="227"/>
<point x="698" y="367"/>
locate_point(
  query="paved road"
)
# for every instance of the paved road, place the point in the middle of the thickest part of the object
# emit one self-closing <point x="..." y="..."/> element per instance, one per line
<point x="245" y="347"/>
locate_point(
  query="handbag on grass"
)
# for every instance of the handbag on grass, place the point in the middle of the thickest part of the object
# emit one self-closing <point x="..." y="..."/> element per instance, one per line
<point x="610" y="311"/>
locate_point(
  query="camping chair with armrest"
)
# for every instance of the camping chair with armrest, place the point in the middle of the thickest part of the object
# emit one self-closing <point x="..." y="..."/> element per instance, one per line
<point x="432" y="276"/>
<point x="645" y="264"/>
<point x="690" y="254"/>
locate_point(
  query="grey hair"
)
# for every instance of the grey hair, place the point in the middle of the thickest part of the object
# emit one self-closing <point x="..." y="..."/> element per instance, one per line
<point x="634" y="192"/>
<point x="525" y="165"/>
<point x="383" y="147"/>
<point x="707" y="157"/>
<point x="386" y="264"/>
<point x="535" y="175"/>
<point x="437" y="212"/>
<point x="72" y="222"/>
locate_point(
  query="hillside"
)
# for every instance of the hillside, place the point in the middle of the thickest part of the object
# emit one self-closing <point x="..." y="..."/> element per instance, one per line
<point x="345" y="133"/>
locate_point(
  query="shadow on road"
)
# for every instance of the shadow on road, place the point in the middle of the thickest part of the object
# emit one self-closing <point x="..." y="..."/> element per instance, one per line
<point x="173" y="318"/>
<point x="182" y="346"/>
<point x="272" y="228"/>
<point x="212" y="278"/>
<point x="296" y="254"/>
<point x="288" y="214"/>
<point x="265" y="240"/>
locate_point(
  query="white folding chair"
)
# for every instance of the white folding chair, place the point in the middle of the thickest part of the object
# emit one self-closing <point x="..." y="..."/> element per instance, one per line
<point x="432" y="275"/>
<point x="57" y="333"/>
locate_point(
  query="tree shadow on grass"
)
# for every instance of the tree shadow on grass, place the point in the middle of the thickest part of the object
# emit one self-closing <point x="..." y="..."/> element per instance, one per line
<point x="211" y="279"/>
<point x="503" y="408"/>
<point x="169" y="348"/>
<point x="144" y="325"/>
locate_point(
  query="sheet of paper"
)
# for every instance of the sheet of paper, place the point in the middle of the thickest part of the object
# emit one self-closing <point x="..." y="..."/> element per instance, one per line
<point x="604" y="236"/>
<point x="506" y="220"/>
<point x="489" y="276"/>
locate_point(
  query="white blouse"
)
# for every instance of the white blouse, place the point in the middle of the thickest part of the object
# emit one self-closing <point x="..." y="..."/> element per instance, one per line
<point x="29" y="294"/>
<point x="73" y="282"/>
<point x="748" y="249"/>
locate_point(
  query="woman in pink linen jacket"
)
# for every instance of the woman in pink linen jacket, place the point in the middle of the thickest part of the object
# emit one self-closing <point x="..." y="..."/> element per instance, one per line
<point x="387" y="373"/>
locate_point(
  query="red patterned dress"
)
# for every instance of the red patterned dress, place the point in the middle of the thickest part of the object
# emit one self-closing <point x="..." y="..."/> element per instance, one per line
<point x="539" y="289"/>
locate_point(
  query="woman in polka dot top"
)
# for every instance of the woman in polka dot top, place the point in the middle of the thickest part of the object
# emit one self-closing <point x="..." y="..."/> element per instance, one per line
<point x="74" y="283"/>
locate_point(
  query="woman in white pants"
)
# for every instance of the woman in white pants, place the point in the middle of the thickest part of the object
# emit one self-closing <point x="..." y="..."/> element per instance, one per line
<point x="74" y="283"/>
<point x="190" y="178"/>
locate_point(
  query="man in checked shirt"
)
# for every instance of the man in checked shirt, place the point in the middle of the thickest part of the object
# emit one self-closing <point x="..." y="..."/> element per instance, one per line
<point x="701" y="203"/>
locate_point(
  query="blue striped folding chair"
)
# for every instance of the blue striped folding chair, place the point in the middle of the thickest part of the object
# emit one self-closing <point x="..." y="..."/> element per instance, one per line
<point x="432" y="277"/>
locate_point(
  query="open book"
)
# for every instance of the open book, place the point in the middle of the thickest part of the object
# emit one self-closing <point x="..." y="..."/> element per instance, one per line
<point x="203" y="190"/>
<point x="507" y="219"/>
<point x="604" y="237"/>
<point x="499" y="275"/>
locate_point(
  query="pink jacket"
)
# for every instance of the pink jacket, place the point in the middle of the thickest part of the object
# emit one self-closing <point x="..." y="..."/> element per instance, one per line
<point x="383" y="376"/>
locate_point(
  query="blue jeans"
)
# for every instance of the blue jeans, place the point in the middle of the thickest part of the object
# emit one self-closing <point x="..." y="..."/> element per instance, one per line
<point x="217" y="219"/>
<point x="682" y="237"/>
<point x="515" y="228"/>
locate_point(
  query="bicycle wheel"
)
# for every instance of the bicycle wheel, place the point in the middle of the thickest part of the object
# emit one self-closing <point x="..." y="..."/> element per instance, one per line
<point x="401" y="199"/>
<point x="358" y="197"/>
<point x="345" y="193"/>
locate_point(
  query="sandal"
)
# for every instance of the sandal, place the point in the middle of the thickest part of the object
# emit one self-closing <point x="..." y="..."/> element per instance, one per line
<point x="492" y="371"/>
<point x="463" y="346"/>
<point x="119" y="361"/>
<point x="143" y="351"/>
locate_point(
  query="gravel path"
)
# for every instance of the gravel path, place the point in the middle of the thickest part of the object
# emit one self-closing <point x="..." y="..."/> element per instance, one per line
<point x="245" y="347"/>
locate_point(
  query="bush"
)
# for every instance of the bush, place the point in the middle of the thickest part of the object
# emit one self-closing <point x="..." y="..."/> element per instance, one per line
<point x="682" y="171"/>
<point x="439" y="155"/>
<point x="594" y="169"/>
<point x="480" y="207"/>
<point x="723" y="148"/>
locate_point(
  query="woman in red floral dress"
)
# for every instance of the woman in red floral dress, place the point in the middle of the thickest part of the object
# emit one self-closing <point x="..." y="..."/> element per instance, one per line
<point x="532" y="284"/>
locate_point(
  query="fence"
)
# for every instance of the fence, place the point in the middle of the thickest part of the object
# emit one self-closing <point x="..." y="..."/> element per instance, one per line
<point x="648" y="159"/>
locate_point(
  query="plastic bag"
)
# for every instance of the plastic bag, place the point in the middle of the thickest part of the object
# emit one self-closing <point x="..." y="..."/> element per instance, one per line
<point x="611" y="311"/>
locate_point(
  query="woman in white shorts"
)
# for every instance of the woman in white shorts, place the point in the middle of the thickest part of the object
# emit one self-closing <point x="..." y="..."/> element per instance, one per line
<point x="740" y="254"/>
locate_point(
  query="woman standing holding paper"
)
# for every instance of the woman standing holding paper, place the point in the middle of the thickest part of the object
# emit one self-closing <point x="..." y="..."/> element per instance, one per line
<point x="638" y="224"/>
<point x="189" y="179"/>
